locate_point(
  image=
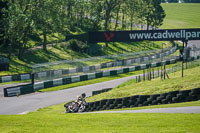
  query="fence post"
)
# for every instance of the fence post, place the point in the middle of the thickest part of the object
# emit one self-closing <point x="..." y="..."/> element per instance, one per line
<point x="182" y="68"/>
<point x="164" y="71"/>
<point x="139" y="79"/>
<point x="150" y="73"/>
<point x="153" y="73"/>
<point x="32" y="78"/>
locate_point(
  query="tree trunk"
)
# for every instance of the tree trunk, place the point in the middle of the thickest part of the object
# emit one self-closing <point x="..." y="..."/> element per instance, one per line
<point x="23" y="47"/>
<point x="123" y="20"/>
<point x="131" y="22"/>
<point x="106" y="21"/>
<point x="20" y="51"/>
<point x="81" y="17"/>
<point x="147" y="26"/>
<point x="107" y="18"/>
<point x="106" y="26"/>
<point x="45" y="41"/>
<point x="9" y="51"/>
<point x="116" y="22"/>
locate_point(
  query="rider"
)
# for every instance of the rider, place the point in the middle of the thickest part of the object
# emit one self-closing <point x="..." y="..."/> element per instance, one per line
<point x="80" y="98"/>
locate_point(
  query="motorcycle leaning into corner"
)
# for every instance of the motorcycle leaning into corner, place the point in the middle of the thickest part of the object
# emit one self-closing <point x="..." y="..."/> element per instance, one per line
<point x="77" y="106"/>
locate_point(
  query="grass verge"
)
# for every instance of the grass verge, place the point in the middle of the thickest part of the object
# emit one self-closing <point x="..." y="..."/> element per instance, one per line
<point x="16" y="82"/>
<point x="53" y="120"/>
<point x="156" y="86"/>
<point x="93" y="81"/>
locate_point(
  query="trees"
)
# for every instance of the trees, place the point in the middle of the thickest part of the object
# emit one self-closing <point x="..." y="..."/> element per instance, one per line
<point x="96" y="13"/>
<point x="108" y="7"/>
<point x="27" y="17"/>
<point x="44" y="15"/>
<point x="3" y="15"/>
<point x="151" y="13"/>
<point x="19" y="24"/>
<point x="23" y="17"/>
<point x="132" y="10"/>
<point x="158" y="14"/>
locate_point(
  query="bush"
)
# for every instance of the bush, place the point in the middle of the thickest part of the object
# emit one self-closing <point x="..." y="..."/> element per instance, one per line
<point x="76" y="45"/>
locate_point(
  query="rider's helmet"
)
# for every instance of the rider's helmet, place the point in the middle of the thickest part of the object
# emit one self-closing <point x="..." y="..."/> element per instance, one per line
<point x="83" y="95"/>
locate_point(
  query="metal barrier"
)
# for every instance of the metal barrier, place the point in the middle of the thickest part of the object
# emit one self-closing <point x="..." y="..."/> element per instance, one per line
<point x="4" y="64"/>
<point x="67" y="80"/>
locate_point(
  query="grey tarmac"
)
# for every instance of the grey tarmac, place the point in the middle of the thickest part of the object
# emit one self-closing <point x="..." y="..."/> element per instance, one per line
<point x="32" y="102"/>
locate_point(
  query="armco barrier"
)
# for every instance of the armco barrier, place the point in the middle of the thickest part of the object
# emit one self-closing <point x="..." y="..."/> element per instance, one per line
<point x="100" y="91"/>
<point x="123" y="62"/>
<point x="26" y="89"/>
<point x="145" y="100"/>
<point x="67" y="80"/>
<point x="15" y="78"/>
<point x="18" y="90"/>
<point x="58" y="73"/>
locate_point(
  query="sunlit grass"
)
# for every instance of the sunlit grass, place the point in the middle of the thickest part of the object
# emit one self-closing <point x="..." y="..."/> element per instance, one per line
<point x="53" y="120"/>
<point x="190" y="80"/>
<point x="181" y="15"/>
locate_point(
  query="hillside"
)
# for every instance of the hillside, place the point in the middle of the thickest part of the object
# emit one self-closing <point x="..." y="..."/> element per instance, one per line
<point x="177" y="16"/>
<point x="61" y="51"/>
<point x="176" y="82"/>
<point x="181" y="15"/>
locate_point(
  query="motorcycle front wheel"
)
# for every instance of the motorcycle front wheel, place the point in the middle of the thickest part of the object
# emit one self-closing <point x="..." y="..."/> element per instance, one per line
<point x="67" y="110"/>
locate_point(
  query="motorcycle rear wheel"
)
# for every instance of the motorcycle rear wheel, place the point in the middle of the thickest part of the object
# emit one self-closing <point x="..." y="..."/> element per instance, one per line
<point x="81" y="109"/>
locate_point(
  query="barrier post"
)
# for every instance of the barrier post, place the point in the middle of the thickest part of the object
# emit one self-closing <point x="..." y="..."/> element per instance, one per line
<point x="153" y="73"/>
<point x="32" y="78"/>
<point x="164" y="71"/>
<point x="150" y="73"/>
<point x="183" y="58"/>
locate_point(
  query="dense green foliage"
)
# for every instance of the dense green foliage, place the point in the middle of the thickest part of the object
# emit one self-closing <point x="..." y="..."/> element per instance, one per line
<point x="63" y="51"/>
<point x="177" y="16"/>
<point x="23" y="20"/>
<point x="77" y="45"/>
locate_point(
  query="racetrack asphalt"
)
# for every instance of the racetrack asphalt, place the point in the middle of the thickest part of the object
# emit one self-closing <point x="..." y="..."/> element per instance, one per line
<point x="32" y="102"/>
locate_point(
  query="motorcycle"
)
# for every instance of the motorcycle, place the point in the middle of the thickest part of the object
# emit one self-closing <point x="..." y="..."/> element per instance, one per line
<point x="76" y="106"/>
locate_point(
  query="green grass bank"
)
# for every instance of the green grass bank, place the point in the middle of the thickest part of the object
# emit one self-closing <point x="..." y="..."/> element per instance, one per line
<point x="190" y="80"/>
<point x="184" y="15"/>
<point x="53" y="120"/>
